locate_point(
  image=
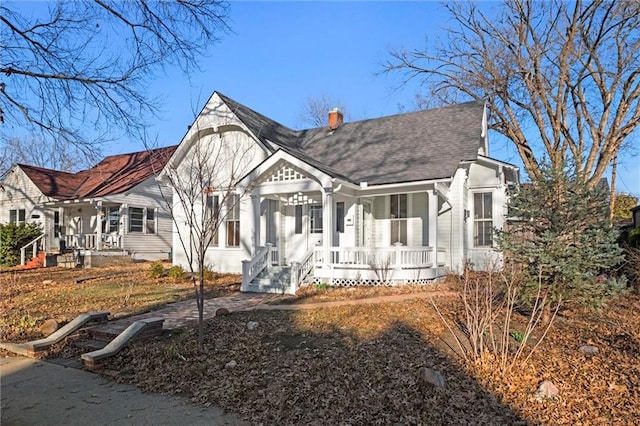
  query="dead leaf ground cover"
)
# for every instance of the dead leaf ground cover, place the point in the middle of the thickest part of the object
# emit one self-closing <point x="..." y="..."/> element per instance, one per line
<point x="359" y="365"/>
<point x="29" y="297"/>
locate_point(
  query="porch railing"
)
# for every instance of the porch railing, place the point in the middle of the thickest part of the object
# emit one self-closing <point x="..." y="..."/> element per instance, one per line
<point x="399" y="257"/>
<point x="251" y="268"/>
<point x="35" y="244"/>
<point x="85" y="241"/>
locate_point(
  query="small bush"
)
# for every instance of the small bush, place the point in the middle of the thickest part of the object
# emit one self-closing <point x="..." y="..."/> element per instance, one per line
<point x="176" y="272"/>
<point x="156" y="270"/>
<point x="209" y="274"/>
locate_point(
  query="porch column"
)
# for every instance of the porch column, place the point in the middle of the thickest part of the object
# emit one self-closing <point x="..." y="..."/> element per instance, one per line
<point x="327" y="223"/>
<point x="433" y="224"/>
<point x="255" y="203"/>
<point x="99" y="225"/>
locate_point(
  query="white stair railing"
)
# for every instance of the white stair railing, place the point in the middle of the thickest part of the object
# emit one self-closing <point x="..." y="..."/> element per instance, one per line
<point x="299" y="270"/>
<point x="251" y="268"/>
<point x="34" y="244"/>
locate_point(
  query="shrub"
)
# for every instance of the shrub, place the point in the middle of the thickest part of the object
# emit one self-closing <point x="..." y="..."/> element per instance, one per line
<point x="13" y="237"/>
<point x="209" y="274"/>
<point x="559" y="233"/>
<point x="156" y="270"/>
<point x="176" y="272"/>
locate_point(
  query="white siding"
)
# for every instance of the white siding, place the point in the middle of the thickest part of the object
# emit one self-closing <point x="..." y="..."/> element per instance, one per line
<point x="485" y="178"/>
<point x="18" y="192"/>
<point x="230" y="148"/>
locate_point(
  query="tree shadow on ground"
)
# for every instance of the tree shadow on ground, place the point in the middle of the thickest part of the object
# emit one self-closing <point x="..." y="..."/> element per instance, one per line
<point x="315" y="367"/>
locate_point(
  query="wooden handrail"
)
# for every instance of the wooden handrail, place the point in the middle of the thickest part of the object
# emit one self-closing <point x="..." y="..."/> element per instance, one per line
<point x="23" y="249"/>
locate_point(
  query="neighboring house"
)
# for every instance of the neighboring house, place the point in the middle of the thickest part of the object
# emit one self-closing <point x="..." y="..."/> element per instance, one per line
<point x="115" y="205"/>
<point x="403" y="198"/>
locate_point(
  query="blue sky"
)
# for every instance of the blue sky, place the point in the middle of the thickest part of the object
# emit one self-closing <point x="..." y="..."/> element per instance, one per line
<point x="281" y="53"/>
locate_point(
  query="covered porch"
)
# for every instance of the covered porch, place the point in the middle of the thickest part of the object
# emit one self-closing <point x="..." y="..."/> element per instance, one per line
<point x="314" y="229"/>
<point x="87" y="225"/>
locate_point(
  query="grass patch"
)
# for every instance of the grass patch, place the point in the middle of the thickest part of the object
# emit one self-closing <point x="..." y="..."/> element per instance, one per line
<point x="55" y="293"/>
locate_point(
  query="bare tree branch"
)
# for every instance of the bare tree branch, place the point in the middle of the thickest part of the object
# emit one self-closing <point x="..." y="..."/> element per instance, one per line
<point x="562" y="78"/>
<point x="79" y="73"/>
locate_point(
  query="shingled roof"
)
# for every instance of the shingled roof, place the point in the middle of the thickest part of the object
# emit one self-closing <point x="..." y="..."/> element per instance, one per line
<point x="115" y="174"/>
<point x="421" y="145"/>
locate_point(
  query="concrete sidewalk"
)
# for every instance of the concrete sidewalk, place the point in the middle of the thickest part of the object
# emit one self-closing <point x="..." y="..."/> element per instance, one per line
<point x="34" y="392"/>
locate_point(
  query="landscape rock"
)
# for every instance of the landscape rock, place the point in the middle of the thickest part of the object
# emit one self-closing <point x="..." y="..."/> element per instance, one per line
<point x="46" y="282"/>
<point x="588" y="350"/>
<point x="428" y="376"/>
<point x="231" y="364"/>
<point x="546" y="390"/>
<point x="222" y="312"/>
<point x="49" y="327"/>
<point x="252" y="325"/>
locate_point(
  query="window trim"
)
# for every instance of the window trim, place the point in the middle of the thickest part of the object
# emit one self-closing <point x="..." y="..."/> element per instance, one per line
<point x="315" y="221"/>
<point x="213" y="203"/>
<point x="399" y="219"/>
<point x="232" y="221"/>
<point x="143" y="221"/>
<point x="478" y="219"/>
<point x="17" y="213"/>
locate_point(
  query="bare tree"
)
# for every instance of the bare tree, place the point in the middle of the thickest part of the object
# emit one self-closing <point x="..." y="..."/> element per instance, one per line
<point x="316" y="109"/>
<point x="50" y="154"/>
<point x="562" y="79"/>
<point x="205" y="196"/>
<point x="78" y="74"/>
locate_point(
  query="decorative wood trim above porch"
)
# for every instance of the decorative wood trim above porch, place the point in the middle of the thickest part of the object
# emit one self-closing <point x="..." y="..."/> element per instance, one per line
<point x="264" y="172"/>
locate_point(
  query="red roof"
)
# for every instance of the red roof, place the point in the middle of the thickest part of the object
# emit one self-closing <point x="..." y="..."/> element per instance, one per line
<point x="113" y="175"/>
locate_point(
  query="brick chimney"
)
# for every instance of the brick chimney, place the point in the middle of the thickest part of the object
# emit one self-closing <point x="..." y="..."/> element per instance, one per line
<point x="335" y="119"/>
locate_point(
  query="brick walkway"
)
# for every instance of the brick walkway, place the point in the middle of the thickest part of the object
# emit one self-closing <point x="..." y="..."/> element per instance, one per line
<point x="182" y="313"/>
<point x="179" y="314"/>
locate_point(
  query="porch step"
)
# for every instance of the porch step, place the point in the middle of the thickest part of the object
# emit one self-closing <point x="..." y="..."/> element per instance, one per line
<point x="67" y="260"/>
<point x="267" y="286"/>
<point x="274" y="279"/>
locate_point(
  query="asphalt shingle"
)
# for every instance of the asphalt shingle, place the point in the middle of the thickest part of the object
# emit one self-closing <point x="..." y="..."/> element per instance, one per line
<point x="414" y="146"/>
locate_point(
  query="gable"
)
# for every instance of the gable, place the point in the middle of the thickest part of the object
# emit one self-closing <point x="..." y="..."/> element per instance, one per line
<point x="282" y="172"/>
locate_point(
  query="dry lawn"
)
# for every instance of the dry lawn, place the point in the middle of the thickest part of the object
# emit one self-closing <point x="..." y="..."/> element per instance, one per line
<point x="359" y="365"/>
<point x="27" y="298"/>
<point x="354" y="364"/>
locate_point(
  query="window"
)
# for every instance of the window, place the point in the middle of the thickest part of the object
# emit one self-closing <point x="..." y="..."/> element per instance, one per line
<point x="111" y="221"/>
<point x="57" y="225"/>
<point x="315" y="219"/>
<point x="233" y="220"/>
<point x="213" y="204"/>
<point x="398" y="215"/>
<point x="340" y="216"/>
<point x="151" y="221"/>
<point x="482" y="219"/>
<point x="17" y="216"/>
<point x="298" y="216"/>
<point x="136" y="219"/>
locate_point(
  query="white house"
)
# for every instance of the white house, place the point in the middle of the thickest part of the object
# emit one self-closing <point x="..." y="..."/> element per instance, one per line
<point x="402" y="198"/>
<point x="115" y="205"/>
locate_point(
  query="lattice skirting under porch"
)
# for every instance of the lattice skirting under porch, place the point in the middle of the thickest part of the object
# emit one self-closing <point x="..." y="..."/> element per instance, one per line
<point x="353" y="282"/>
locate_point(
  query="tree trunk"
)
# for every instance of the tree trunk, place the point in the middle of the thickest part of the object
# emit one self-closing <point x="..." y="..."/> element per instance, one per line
<point x="612" y="193"/>
<point x="201" y="310"/>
